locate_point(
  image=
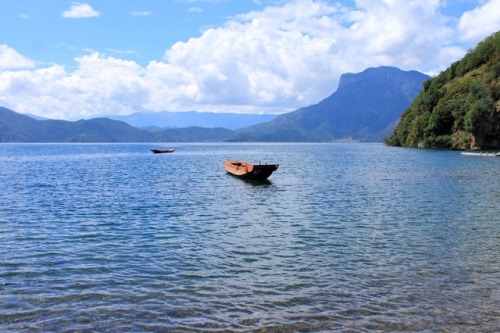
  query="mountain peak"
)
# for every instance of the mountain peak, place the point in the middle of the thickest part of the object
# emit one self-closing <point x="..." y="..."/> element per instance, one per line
<point x="383" y="75"/>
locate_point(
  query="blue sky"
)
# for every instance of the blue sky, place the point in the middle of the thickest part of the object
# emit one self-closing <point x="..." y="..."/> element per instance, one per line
<point x="57" y="31"/>
<point x="83" y="59"/>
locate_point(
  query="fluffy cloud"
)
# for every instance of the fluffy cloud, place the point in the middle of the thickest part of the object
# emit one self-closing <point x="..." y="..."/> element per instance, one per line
<point x="99" y="86"/>
<point x="475" y="25"/>
<point x="140" y="13"/>
<point x="273" y="61"/>
<point x="80" y="10"/>
<point x="11" y="59"/>
<point x="292" y="55"/>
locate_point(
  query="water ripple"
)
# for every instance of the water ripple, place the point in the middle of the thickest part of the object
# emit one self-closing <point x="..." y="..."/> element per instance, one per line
<point x="342" y="238"/>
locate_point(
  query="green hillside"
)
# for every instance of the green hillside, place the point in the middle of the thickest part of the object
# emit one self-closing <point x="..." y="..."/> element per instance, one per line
<point x="459" y="108"/>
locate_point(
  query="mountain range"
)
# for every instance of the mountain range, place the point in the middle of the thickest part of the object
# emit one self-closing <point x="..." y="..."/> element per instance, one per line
<point x="15" y="127"/>
<point x="169" y="119"/>
<point x="365" y="107"/>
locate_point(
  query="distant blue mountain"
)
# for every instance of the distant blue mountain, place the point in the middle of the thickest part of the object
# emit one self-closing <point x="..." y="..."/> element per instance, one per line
<point x="167" y="119"/>
<point x="366" y="107"/>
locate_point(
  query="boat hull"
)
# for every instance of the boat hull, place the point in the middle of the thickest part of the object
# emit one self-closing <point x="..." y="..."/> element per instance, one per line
<point x="162" y="151"/>
<point x="249" y="171"/>
<point x="481" y="154"/>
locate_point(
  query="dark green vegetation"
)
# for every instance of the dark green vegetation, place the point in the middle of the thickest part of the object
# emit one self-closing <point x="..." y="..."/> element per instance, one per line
<point x="365" y="107"/>
<point x="460" y="107"/>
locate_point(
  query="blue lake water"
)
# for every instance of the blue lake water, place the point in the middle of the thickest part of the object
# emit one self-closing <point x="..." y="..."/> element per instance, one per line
<point x="344" y="237"/>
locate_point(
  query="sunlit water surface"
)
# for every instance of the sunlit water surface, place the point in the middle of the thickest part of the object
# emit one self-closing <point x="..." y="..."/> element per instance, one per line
<point x="344" y="237"/>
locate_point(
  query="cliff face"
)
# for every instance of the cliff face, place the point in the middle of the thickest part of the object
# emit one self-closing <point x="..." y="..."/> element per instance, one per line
<point x="459" y="108"/>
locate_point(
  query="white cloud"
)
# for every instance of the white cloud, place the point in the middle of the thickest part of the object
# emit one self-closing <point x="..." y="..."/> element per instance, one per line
<point x="292" y="55"/>
<point x="479" y="23"/>
<point x="122" y="51"/>
<point x="270" y="61"/>
<point x="11" y="59"/>
<point x="140" y="13"/>
<point x="80" y="10"/>
<point x="99" y="86"/>
<point x="195" y="10"/>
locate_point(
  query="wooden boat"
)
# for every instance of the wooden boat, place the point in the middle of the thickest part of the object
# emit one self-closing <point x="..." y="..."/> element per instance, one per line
<point x="251" y="171"/>
<point x="469" y="153"/>
<point x="162" y="151"/>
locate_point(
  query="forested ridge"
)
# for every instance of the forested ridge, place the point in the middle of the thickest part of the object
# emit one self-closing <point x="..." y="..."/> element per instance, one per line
<point x="460" y="107"/>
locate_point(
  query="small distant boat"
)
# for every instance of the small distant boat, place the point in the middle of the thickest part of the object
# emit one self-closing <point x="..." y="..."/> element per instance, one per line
<point x="470" y="153"/>
<point x="251" y="171"/>
<point x="162" y="151"/>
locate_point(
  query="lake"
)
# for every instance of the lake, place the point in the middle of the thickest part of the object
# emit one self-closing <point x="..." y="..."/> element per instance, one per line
<point x="344" y="237"/>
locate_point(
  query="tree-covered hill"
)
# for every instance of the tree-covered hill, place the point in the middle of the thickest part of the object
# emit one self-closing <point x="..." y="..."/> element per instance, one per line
<point x="459" y="108"/>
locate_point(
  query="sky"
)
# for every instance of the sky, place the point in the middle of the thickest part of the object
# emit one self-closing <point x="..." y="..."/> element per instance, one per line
<point x="90" y="58"/>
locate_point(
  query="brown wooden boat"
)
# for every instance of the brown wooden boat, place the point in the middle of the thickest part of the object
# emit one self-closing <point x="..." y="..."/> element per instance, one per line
<point x="162" y="151"/>
<point x="247" y="170"/>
